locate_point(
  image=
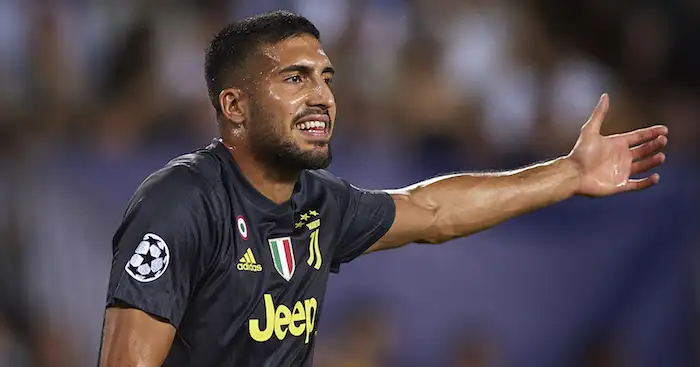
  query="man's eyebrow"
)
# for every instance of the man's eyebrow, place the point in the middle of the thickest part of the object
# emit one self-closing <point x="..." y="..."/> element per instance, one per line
<point x="328" y="69"/>
<point x="305" y="69"/>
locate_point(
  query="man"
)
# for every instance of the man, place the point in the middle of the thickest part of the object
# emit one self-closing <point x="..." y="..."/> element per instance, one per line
<point x="223" y="256"/>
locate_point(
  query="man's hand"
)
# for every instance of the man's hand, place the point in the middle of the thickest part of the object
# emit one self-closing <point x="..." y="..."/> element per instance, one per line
<point x="605" y="163"/>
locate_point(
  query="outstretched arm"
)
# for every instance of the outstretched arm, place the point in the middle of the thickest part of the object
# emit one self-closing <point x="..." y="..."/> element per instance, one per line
<point x="453" y="206"/>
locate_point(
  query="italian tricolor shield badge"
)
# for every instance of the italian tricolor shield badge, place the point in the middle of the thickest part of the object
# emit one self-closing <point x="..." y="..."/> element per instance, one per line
<point x="283" y="256"/>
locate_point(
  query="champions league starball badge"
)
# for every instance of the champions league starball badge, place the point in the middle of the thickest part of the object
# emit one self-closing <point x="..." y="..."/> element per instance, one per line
<point x="150" y="259"/>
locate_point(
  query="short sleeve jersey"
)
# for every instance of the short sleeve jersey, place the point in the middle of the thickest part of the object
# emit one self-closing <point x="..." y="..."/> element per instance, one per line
<point x="241" y="278"/>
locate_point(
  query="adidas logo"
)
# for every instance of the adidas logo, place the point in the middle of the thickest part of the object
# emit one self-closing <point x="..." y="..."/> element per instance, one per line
<point x="248" y="263"/>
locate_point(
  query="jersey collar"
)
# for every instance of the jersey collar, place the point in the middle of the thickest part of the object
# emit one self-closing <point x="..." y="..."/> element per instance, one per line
<point x="249" y="191"/>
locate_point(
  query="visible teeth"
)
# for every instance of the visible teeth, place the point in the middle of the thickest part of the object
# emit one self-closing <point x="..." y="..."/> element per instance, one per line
<point x="311" y="125"/>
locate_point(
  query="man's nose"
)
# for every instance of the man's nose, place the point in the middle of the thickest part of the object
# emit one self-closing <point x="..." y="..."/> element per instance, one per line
<point x="322" y="96"/>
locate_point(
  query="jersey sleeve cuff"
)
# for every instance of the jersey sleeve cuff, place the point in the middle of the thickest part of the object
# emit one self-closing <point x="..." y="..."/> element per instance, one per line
<point x="159" y="312"/>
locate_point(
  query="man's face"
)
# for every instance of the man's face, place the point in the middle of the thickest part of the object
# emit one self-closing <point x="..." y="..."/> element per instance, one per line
<point x="292" y="108"/>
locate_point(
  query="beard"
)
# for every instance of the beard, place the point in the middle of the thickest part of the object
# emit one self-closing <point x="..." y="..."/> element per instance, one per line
<point x="280" y="153"/>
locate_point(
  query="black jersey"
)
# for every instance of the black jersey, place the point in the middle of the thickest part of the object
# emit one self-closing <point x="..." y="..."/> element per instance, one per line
<point x="241" y="278"/>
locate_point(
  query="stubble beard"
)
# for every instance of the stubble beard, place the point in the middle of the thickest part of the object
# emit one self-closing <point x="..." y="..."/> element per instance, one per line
<point x="278" y="152"/>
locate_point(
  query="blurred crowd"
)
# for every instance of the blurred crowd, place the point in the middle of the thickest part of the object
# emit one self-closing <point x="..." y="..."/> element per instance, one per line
<point x="95" y="95"/>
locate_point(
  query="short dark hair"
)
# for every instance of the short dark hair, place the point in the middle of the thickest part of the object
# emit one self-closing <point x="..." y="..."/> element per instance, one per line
<point x="230" y="48"/>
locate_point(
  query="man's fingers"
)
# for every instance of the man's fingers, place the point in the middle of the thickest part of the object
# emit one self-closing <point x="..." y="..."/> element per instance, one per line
<point x="649" y="148"/>
<point x="596" y="120"/>
<point x="643" y="183"/>
<point x="640" y="136"/>
<point x="647" y="164"/>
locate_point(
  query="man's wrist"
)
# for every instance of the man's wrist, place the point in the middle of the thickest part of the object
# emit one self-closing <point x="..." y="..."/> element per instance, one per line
<point x="571" y="172"/>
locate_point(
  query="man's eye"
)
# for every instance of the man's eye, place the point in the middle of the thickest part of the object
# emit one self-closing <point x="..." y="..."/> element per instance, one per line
<point x="329" y="82"/>
<point x="294" y="79"/>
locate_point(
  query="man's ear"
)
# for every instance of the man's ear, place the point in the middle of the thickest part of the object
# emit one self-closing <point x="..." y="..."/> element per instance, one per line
<point x="233" y="104"/>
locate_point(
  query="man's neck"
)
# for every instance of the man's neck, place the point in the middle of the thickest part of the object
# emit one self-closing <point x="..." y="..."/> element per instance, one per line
<point x="266" y="181"/>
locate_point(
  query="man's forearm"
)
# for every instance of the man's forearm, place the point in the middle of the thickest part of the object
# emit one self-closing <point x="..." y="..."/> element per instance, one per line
<point x="463" y="204"/>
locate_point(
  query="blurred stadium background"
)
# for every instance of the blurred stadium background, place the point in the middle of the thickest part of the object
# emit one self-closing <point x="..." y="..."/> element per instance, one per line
<point x="95" y="95"/>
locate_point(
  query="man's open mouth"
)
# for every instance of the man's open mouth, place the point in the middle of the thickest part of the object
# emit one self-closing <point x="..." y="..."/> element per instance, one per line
<point x="314" y="127"/>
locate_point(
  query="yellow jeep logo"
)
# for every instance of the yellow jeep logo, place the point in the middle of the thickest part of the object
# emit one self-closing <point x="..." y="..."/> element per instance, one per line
<point x="281" y="320"/>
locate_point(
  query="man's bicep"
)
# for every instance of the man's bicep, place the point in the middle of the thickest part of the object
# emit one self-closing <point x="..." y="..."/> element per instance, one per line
<point x="412" y="223"/>
<point x="132" y="337"/>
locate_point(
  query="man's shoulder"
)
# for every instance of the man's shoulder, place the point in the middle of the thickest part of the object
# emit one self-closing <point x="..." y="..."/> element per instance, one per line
<point x="325" y="178"/>
<point x="202" y="167"/>
<point x="197" y="169"/>
<point x="339" y="188"/>
<point x="335" y="183"/>
<point x="188" y="177"/>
